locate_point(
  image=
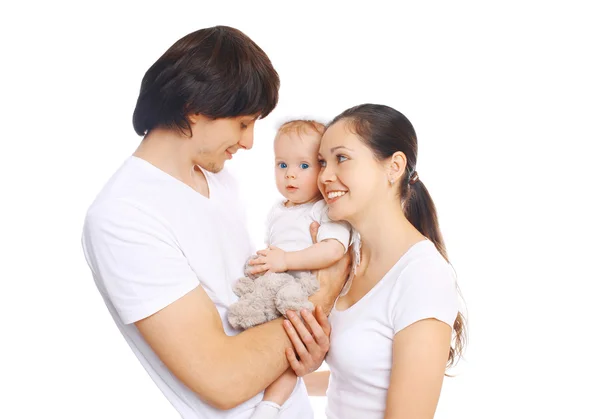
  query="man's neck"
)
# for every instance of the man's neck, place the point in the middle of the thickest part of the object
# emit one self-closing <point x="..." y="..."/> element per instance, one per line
<point x="169" y="152"/>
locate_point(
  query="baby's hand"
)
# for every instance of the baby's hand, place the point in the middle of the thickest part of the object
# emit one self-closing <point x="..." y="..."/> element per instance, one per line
<point x="270" y="260"/>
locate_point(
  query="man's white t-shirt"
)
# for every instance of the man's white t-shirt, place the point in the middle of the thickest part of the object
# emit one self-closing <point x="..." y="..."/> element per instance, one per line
<point x="149" y="239"/>
<point x="288" y="228"/>
<point x="420" y="285"/>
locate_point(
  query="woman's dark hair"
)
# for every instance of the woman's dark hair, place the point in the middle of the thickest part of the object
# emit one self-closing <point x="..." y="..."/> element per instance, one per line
<point x="218" y="72"/>
<point x="385" y="131"/>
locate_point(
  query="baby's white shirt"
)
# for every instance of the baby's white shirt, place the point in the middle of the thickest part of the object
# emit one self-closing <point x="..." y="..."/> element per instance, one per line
<point x="288" y="228"/>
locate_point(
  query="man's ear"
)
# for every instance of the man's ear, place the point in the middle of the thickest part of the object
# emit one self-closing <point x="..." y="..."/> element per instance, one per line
<point x="193" y="117"/>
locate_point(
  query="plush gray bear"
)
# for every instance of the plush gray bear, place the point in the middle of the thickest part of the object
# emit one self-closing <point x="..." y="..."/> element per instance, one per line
<point x="264" y="298"/>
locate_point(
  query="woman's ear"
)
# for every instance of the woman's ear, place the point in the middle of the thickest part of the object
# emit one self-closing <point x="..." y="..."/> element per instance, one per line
<point x="397" y="166"/>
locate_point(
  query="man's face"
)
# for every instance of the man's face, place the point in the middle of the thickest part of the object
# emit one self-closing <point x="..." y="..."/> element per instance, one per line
<point x="216" y="140"/>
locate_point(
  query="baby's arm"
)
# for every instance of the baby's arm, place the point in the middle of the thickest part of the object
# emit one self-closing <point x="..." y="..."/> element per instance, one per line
<point x="318" y="256"/>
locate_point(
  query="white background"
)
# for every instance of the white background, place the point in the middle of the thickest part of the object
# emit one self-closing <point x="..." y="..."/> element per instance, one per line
<point x="505" y="98"/>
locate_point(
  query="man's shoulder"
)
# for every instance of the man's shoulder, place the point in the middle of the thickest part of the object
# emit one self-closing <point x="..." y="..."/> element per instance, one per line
<point x="127" y="196"/>
<point x="110" y="213"/>
<point x="136" y="185"/>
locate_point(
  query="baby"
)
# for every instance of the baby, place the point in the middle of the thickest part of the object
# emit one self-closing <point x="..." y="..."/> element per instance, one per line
<point x="278" y="278"/>
<point x="282" y="270"/>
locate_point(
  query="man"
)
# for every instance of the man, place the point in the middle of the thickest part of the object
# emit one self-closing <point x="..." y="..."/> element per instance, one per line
<point x="165" y="238"/>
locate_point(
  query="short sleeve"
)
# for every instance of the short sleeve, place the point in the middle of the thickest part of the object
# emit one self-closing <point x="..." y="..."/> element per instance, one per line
<point x="269" y="224"/>
<point x="136" y="259"/>
<point x="425" y="289"/>
<point x="328" y="229"/>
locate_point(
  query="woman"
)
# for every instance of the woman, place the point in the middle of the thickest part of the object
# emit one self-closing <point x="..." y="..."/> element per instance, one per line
<point x="391" y="332"/>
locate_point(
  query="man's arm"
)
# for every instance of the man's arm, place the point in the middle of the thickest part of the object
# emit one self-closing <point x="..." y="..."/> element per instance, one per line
<point x="224" y="371"/>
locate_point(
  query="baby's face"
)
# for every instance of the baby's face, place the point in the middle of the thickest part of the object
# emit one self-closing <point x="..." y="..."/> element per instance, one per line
<point x="297" y="167"/>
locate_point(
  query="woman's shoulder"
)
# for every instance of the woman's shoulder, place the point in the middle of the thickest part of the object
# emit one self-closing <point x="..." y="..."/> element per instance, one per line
<point x="424" y="287"/>
<point x="423" y="263"/>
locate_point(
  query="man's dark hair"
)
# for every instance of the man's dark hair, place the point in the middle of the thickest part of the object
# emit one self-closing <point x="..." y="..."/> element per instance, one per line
<point x="218" y="72"/>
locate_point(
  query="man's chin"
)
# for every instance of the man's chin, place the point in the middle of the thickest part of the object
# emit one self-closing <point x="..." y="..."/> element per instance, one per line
<point x="213" y="167"/>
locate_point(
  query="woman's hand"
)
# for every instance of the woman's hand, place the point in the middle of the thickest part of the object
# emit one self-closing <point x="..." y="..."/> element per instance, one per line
<point x="310" y="340"/>
<point x="331" y="279"/>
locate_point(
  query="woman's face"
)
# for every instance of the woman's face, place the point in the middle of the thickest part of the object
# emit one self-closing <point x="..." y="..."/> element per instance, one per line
<point x="351" y="179"/>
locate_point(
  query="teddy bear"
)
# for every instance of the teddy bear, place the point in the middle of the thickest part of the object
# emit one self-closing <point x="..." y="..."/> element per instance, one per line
<point x="266" y="297"/>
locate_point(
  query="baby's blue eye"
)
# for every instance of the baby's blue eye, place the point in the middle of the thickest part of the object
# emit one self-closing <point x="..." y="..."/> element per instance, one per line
<point x="304" y="166"/>
<point x="282" y="165"/>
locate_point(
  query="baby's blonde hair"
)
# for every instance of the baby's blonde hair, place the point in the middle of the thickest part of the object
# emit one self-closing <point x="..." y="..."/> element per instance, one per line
<point x="300" y="126"/>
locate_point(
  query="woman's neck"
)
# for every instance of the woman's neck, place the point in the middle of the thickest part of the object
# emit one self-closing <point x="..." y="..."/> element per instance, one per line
<point x="385" y="234"/>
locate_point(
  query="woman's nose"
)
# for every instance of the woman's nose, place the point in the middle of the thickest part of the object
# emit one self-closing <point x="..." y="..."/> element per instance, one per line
<point x="326" y="175"/>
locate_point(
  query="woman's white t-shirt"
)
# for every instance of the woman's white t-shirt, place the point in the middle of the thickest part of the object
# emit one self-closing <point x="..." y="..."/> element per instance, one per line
<point x="420" y="285"/>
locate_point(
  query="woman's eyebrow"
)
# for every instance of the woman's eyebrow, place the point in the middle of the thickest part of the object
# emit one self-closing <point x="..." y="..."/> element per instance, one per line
<point x="338" y="147"/>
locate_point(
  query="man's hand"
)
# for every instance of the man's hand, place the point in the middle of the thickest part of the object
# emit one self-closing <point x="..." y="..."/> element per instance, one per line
<point x="332" y="279"/>
<point x="271" y="259"/>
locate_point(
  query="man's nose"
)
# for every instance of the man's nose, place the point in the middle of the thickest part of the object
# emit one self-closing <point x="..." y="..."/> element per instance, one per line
<point x="247" y="140"/>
